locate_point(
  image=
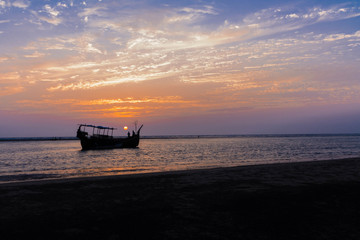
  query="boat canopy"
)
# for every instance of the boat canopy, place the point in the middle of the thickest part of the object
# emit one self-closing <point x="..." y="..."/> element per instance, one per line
<point x="99" y="127"/>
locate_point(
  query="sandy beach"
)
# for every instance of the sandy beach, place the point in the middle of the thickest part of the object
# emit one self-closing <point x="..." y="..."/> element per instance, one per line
<point x="309" y="200"/>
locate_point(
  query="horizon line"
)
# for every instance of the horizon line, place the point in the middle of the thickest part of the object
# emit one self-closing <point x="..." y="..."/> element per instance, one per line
<point x="179" y="136"/>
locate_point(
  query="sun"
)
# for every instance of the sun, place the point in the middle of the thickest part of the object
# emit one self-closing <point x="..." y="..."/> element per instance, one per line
<point x="125" y="128"/>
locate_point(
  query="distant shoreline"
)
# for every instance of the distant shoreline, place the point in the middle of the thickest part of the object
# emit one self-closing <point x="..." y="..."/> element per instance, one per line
<point x="20" y="139"/>
<point x="11" y="139"/>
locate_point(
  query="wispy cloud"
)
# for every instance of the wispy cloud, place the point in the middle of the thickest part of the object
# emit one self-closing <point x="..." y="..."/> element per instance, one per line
<point x="96" y="10"/>
<point x="201" y="56"/>
<point x="3" y="59"/>
<point x="48" y="14"/>
<point x="131" y="100"/>
<point x="126" y="107"/>
<point x="50" y="10"/>
<point x="276" y="20"/>
<point x="21" y="4"/>
<point x="34" y="55"/>
<point x="9" y="83"/>
<point x="342" y="36"/>
<point x="189" y="15"/>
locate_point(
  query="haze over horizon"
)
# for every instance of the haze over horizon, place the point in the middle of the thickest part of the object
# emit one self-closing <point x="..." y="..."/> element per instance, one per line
<point x="180" y="67"/>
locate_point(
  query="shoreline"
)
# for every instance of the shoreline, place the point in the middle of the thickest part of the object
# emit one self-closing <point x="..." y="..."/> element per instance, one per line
<point x="302" y="200"/>
<point x="170" y="172"/>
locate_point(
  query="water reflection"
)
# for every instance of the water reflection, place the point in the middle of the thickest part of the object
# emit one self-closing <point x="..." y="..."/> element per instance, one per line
<point x="48" y="159"/>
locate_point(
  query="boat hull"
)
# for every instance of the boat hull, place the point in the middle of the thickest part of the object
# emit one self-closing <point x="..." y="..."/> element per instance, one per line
<point x="95" y="143"/>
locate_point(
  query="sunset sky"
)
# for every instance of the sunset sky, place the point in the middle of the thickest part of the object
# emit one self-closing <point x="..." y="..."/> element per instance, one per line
<point x="180" y="67"/>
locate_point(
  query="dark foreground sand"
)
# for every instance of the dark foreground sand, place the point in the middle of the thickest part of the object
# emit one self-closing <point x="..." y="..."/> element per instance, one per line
<point x="313" y="200"/>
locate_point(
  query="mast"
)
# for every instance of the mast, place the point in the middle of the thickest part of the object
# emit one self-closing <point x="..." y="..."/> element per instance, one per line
<point x="136" y="123"/>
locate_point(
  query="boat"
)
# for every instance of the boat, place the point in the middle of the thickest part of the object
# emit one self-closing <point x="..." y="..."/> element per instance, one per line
<point x="99" y="137"/>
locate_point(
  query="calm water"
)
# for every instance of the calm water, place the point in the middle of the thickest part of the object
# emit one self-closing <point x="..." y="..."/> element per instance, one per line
<point x="29" y="160"/>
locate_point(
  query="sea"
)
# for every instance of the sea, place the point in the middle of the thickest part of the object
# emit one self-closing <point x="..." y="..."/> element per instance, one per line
<point x="32" y="159"/>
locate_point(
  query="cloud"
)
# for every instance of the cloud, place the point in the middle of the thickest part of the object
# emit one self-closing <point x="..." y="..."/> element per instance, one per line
<point x="21" y="4"/>
<point x="292" y="15"/>
<point x="275" y="20"/>
<point x="131" y="100"/>
<point x="3" y="4"/>
<point x="207" y="9"/>
<point x="196" y="65"/>
<point x="9" y="83"/>
<point x="90" y="48"/>
<point x="51" y="11"/>
<point x="188" y="14"/>
<point x="336" y="13"/>
<point x="10" y="90"/>
<point x="166" y="28"/>
<point x="48" y="14"/>
<point x="121" y="107"/>
<point x="216" y="65"/>
<point x="54" y="21"/>
<point x="342" y="36"/>
<point x="60" y="4"/>
<point x="36" y="54"/>
<point x="155" y="28"/>
<point x="96" y="11"/>
<point x="110" y="81"/>
<point x="174" y="31"/>
<point x="3" y="59"/>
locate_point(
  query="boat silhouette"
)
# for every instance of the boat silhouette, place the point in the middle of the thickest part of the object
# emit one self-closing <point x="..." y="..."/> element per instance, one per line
<point x="100" y="137"/>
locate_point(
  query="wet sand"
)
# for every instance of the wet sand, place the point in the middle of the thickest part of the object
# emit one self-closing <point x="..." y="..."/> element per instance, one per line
<point x="310" y="200"/>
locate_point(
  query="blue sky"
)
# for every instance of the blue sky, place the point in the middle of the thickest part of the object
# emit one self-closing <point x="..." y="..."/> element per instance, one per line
<point x="180" y="67"/>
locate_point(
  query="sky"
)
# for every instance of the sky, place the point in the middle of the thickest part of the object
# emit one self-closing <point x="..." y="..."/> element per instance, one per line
<point x="180" y="67"/>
